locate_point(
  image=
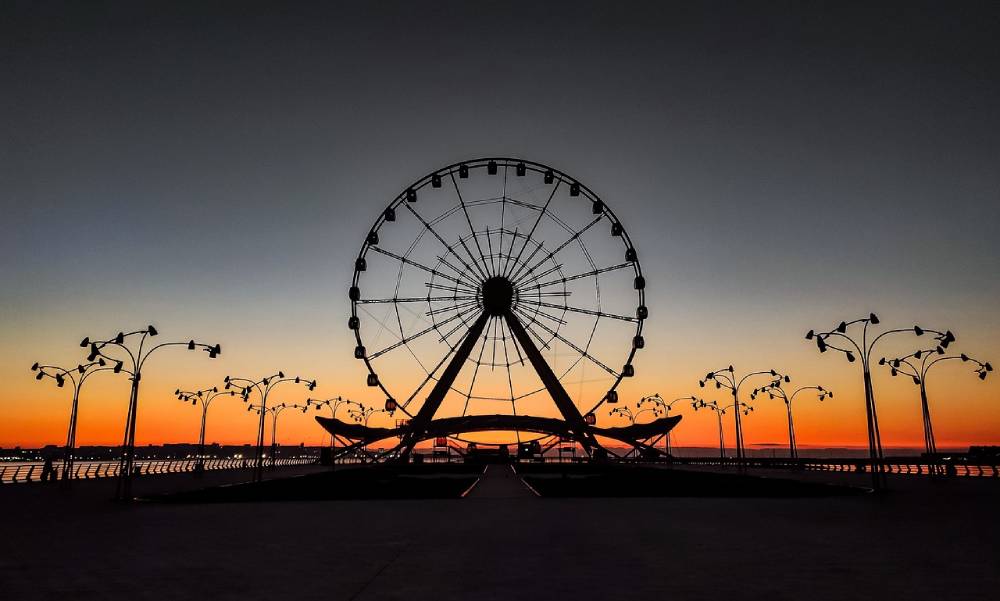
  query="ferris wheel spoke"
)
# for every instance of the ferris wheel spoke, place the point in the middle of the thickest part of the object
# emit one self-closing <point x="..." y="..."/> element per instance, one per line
<point x="472" y="230"/>
<point x="581" y="275"/>
<point x="446" y="335"/>
<point x="579" y="310"/>
<point x="407" y="261"/>
<point x="457" y="307"/>
<point x="530" y="330"/>
<point x="465" y="276"/>
<point x="535" y="225"/>
<point x="520" y="357"/>
<point x="503" y="215"/>
<point x="489" y="243"/>
<point x="413" y="299"/>
<point x="457" y="290"/>
<point x="510" y="251"/>
<point x="539" y="275"/>
<point x="506" y="358"/>
<point x="475" y="372"/>
<point x="568" y="241"/>
<point x="576" y="348"/>
<point x="475" y="262"/>
<point x="412" y="337"/>
<point x="545" y="314"/>
<point x="434" y="232"/>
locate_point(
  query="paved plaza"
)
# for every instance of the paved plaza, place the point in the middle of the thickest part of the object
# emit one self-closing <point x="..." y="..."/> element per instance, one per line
<point x="923" y="540"/>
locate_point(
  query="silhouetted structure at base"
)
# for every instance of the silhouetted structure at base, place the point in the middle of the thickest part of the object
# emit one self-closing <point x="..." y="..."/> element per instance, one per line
<point x="633" y="434"/>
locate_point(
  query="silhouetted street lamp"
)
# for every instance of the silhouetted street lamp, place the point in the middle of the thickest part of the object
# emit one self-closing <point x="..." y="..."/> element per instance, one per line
<point x="864" y="350"/>
<point x="719" y="412"/>
<point x="928" y="358"/>
<point x="625" y="412"/>
<point x="333" y="404"/>
<point x="275" y="411"/>
<point x="205" y="397"/>
<point x="726" y="378"/>
<point x="663" y="407"/>
<point x="775" y="389"/>
<point x="364" y="414"/>
<point x="77" y="376"/>
<point x="263" y="388"/>
<point x="136" y="358"/>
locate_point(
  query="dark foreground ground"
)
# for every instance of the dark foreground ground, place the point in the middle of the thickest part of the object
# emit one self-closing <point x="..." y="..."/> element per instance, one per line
<point x="924" y="540"/>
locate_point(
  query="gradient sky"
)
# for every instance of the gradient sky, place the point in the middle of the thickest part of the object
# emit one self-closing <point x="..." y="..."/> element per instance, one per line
<point x="213" y="170"/>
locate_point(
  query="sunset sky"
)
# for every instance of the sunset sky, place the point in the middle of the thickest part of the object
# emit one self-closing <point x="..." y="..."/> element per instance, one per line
<point x="214" y="172"/>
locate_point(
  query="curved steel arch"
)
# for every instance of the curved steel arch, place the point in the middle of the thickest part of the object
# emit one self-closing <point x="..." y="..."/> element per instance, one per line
<point x="450" y="426"/>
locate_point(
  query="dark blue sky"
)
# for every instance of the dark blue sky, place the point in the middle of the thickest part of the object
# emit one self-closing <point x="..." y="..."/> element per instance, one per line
<point x="779" y="166"/>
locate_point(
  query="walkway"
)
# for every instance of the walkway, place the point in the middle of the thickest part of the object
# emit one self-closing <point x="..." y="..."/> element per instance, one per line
<point x="500" y="482"/>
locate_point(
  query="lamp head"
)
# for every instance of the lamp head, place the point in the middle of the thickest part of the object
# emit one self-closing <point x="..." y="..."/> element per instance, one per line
<point x="842" y="327"/>
<point x="873" y="319"/>
<point x="151" y="331"/>
<point x="85" y="342"/>
<point x="918" y="330"/>
<point x="190" y="345"/>
<point x="810" y="334"/>
<point x="34" y="366"/>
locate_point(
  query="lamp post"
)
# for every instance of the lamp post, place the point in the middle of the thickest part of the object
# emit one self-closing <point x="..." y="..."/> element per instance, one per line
<point x="726" y="378"/>
<point x="664" y="407"/>
<point x="275" y="412"/>
<point x="625" y="412"/>
<point x="719" y="412"/>
<point x="205" y="397"/>
<point x="928" y="358"/>
<point x="77" y="376"/>
<point x="136" y="357"/>
<point x="364" y="414"/>
<point x="864" y="349"/>
<point x="333" y="404"/>
<point x="263" y="388"/>
<point x="775" y="389"/>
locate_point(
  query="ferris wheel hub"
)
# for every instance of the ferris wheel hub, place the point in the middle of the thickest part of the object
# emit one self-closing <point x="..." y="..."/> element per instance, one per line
<point x="497" y="295"/>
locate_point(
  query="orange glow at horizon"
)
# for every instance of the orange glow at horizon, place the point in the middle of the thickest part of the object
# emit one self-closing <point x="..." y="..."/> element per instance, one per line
<point x="964" y="409"/>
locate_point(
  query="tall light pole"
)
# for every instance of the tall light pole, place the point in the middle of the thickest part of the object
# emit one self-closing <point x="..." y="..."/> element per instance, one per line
<point x="136" y="357"/>
<point x="726" y="378"/>
<point x="77" y="376"/>
<point x="333" y="404"/>
<point x="263" y="388"/>
<point x="625" y="412"/>
<point x="838" y="336"/>
<point x="719" y="412"/>
<point x="916" y="365"/>
<point x="775" y="389"/>
<point x="664" y="407"/>
<point x="205" y="397"/>
<point x="275" y="412"/>
<point x="364" y="414"/>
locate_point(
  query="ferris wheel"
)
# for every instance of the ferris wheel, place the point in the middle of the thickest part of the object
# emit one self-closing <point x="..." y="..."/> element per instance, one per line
<point x="497" y="286"/>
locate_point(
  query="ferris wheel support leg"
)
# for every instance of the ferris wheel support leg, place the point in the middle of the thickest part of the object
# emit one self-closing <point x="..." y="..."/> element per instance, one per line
<point x="562" y="400"/>
<point x="418" y="426"/>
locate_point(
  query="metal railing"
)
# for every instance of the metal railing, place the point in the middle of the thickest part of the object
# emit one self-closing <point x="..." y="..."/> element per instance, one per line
<point x="89" y="470"/>
<point x="907" y="466"/>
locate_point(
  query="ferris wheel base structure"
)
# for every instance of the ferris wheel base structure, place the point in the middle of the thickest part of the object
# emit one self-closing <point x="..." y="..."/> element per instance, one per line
<point x="632" y="435"/>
